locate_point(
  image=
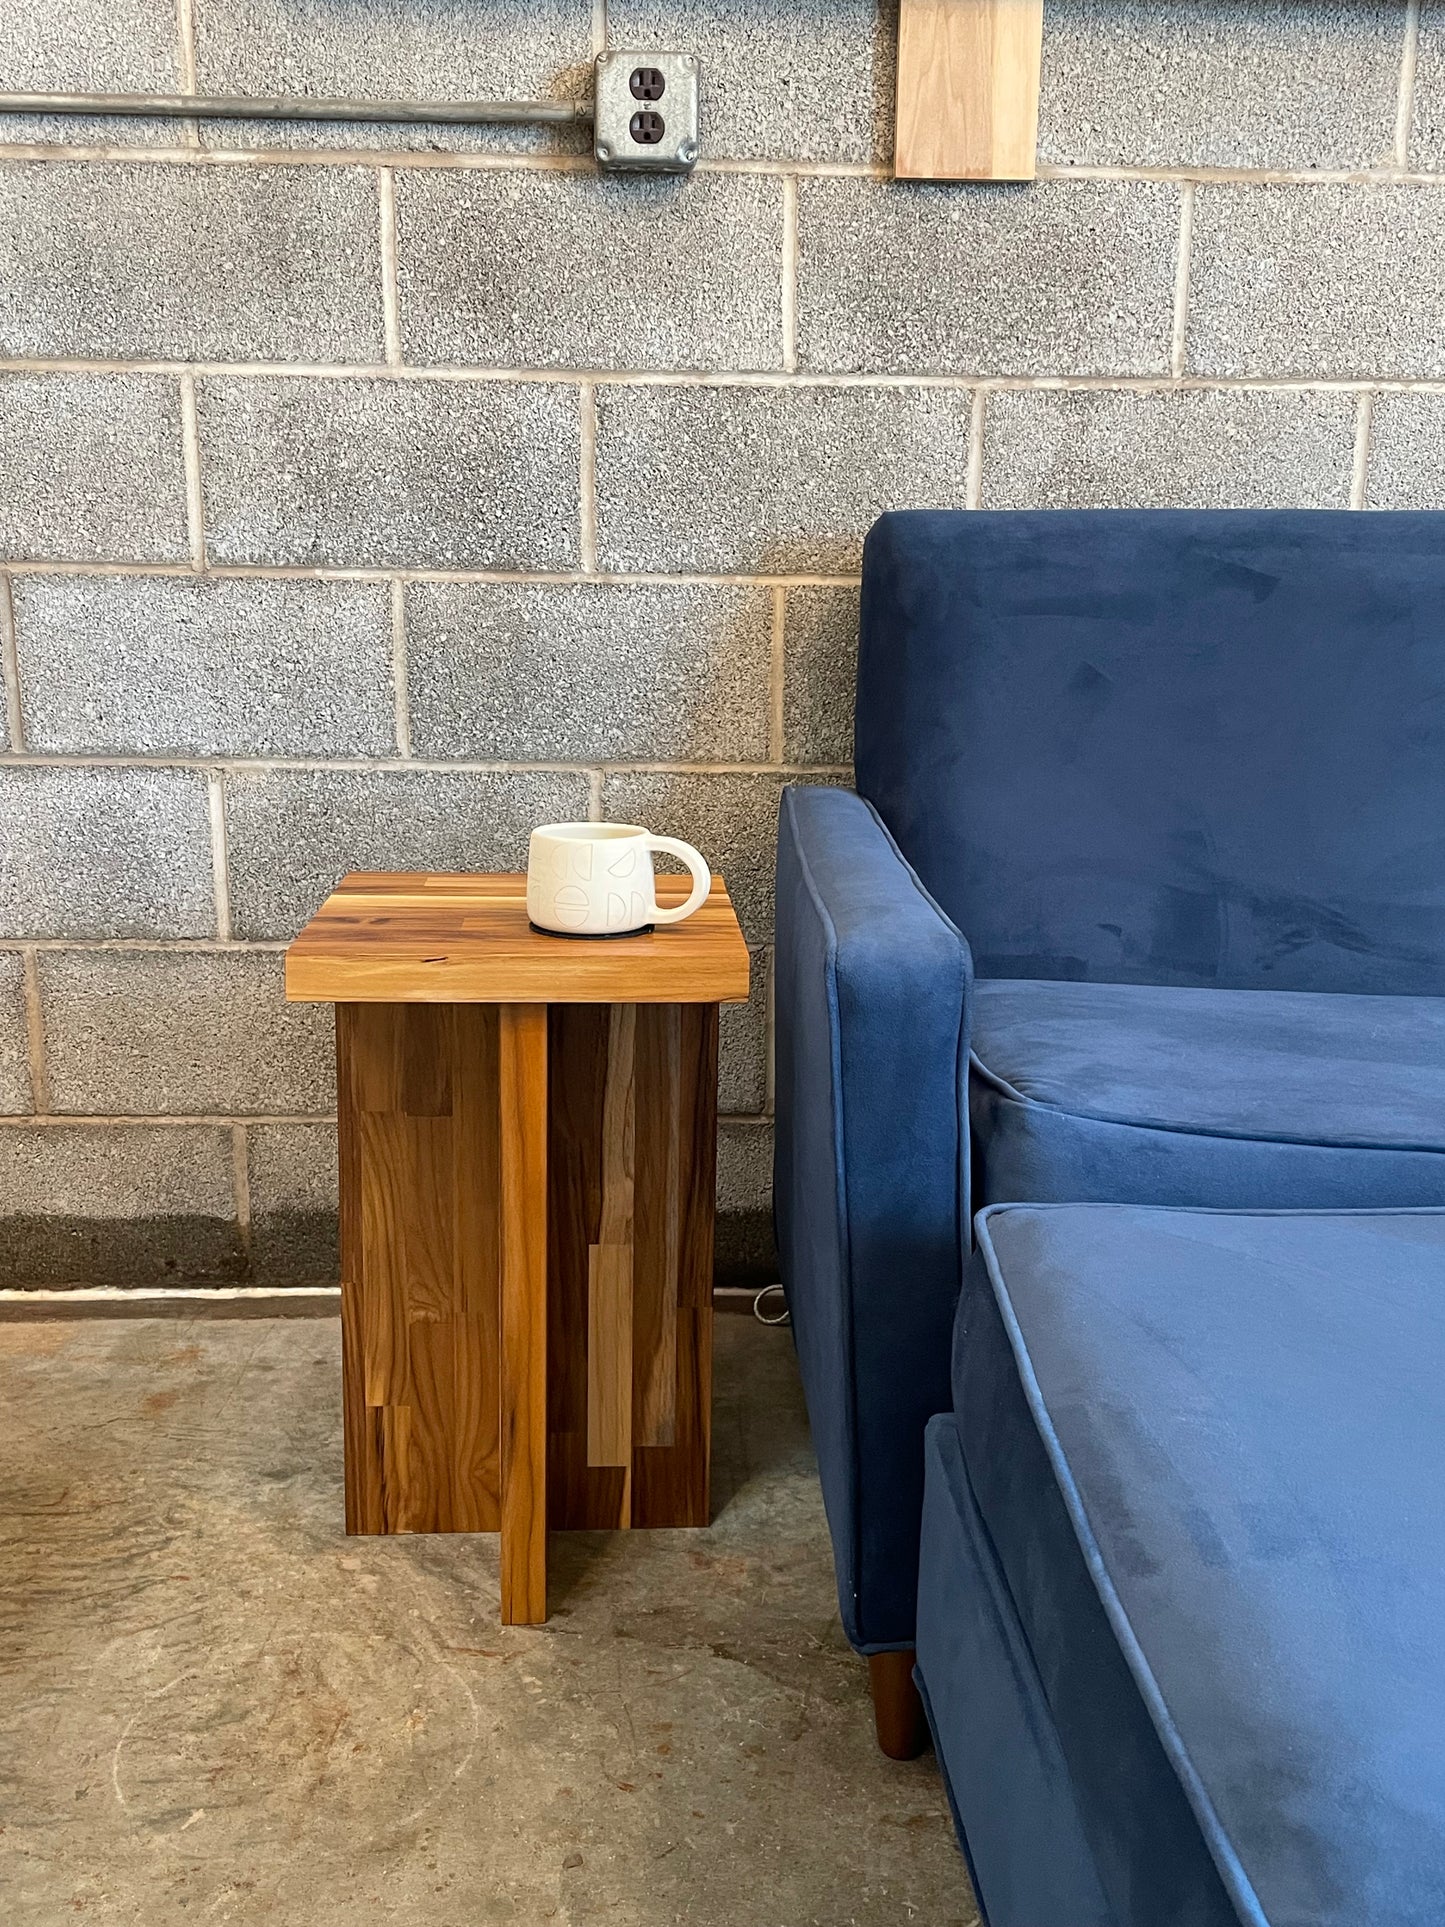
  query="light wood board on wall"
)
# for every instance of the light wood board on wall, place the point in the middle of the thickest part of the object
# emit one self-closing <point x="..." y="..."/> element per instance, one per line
<point x="968" y="89"/>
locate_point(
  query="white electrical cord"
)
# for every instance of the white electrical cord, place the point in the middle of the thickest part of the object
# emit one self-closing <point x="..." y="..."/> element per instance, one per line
<point x="784" y="1317"/>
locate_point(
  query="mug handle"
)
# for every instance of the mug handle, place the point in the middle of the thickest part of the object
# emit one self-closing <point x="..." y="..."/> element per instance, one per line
<point x="701" y="877"/>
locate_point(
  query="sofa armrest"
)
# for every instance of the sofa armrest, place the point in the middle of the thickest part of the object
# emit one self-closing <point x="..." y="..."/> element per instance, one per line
<point x="870" y="1182"/>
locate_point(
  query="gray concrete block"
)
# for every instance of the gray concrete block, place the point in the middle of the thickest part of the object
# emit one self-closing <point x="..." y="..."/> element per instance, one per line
<point x="801" y="80"/>
<point x="768" y="479"/>
<point x="731" y="819"/>
<point x="293" y="834"/>
<point x="396" y="50"/>
<point x="1059" y="277"/>
<point x="515" y="672"/>
<point x="15" y="1092"/>
<point x="133" y="1032"/>
<point x="743" y="1045"/>
<point x="1407" y="453"/>
<point x="1427" y="132"/>
<point x="159" y="262"/>
<point x="92" y="46"/>
<point x="1332" y="279"/>
<point x="744" y="1167"/>
<point x="1195" y="448"/>
<point x="292" y="1172"/>
<point x="358" y="473"/>
<point x="1256" y="83"/>
<point x="270" y="668"/>
<point x="97" y="1204"/>
<point x="745" y="1254"/>
<point x="91" y="469"/>
<point x="105" y="853"/>
<point x="561" y="270"/>
<point x="820" y="671"/>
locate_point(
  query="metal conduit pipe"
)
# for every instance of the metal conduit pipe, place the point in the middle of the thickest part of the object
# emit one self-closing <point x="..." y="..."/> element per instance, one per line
<point x="454" y="113"/>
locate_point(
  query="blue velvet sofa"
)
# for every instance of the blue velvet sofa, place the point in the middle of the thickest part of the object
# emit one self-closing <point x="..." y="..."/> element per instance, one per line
<point x="1183" y="1568"/>
<point x="1140" y="899"/>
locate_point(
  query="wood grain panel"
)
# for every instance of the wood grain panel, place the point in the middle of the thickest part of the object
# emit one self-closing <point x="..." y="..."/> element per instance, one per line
<point x="456" y="940"/>
<point x="968" y="90"/>
<point x="476" y="1208"/>
<point x="419" y="1237"/>
<point x="675" y="1103"/>
<point x="609" y="1261"/>
<point x="522" y="1081"/>
<point x="670" y="1483"/>
<point x="609" y="1358"/>
<point x="671" y="1487"/>
<point x="577" y="1078"/>
<point x="657" y="1269"/>
<point x="697" y="1146"/>
<point x="579" y="1494"/>
<point x="359" y="1421"/>
<point x="619" y="1127"/>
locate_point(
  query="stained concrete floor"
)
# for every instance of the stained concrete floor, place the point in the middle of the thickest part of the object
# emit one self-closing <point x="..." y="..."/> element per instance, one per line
<point x="216" y="1708"/>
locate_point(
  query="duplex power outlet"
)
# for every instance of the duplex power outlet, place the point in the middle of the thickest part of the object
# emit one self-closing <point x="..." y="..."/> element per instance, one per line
<point x="646" y="112"/>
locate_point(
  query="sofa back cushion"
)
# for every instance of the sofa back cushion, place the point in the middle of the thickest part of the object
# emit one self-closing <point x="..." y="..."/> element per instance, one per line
<point x="1166" y="746"/>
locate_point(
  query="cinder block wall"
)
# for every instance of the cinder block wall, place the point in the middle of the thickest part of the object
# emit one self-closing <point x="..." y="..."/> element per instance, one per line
<point x="369" y="496"/>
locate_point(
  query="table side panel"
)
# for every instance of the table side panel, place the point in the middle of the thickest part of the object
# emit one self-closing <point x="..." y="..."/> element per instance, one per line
<point x="667" y="1349"/>
<point x="420" y="1246"/>
<point x="527" y="1200"/>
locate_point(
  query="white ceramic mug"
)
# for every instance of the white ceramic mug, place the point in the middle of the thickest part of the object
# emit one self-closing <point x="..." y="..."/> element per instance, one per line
<point x="595" y="879"/>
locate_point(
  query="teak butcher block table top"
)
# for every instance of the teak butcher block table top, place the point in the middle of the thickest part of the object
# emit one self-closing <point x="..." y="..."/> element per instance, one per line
<point x="465" y="939"/>
<point x="527" y="1136"/>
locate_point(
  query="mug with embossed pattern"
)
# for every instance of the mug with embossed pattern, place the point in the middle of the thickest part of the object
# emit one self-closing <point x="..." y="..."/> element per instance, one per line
<point x="595" y="879"/>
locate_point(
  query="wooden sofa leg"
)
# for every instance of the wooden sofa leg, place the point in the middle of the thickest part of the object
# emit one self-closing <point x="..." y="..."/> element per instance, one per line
<point x="898" y="1715"/>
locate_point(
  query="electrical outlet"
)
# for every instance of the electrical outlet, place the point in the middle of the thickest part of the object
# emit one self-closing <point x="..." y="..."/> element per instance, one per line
<point x="646" y="112"/>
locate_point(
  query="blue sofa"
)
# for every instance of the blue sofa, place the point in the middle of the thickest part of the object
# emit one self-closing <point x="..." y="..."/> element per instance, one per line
<point x="1140" y="899"/>
<point x="1183" y="1568"/>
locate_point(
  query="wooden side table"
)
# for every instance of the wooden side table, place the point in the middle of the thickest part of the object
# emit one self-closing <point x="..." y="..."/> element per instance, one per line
<point x="528" y="1130"/>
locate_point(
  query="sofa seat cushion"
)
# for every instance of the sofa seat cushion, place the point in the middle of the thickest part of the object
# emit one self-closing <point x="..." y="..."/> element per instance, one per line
<point x="1208" y="1450"/>
<point x="1137" y="1093"/>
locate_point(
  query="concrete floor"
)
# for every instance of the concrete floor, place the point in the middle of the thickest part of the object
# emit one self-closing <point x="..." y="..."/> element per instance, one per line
<point x="216" y="1708"/>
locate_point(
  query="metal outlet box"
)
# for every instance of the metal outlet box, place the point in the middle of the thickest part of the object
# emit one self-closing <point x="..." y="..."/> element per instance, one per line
<point x="646" y="117"/>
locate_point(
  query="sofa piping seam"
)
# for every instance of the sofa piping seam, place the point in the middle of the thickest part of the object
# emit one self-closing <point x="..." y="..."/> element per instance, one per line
<point x="1225" y="1135"/>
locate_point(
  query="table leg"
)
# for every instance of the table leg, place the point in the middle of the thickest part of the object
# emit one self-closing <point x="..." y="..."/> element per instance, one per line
<point x="523" y="1117"/>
